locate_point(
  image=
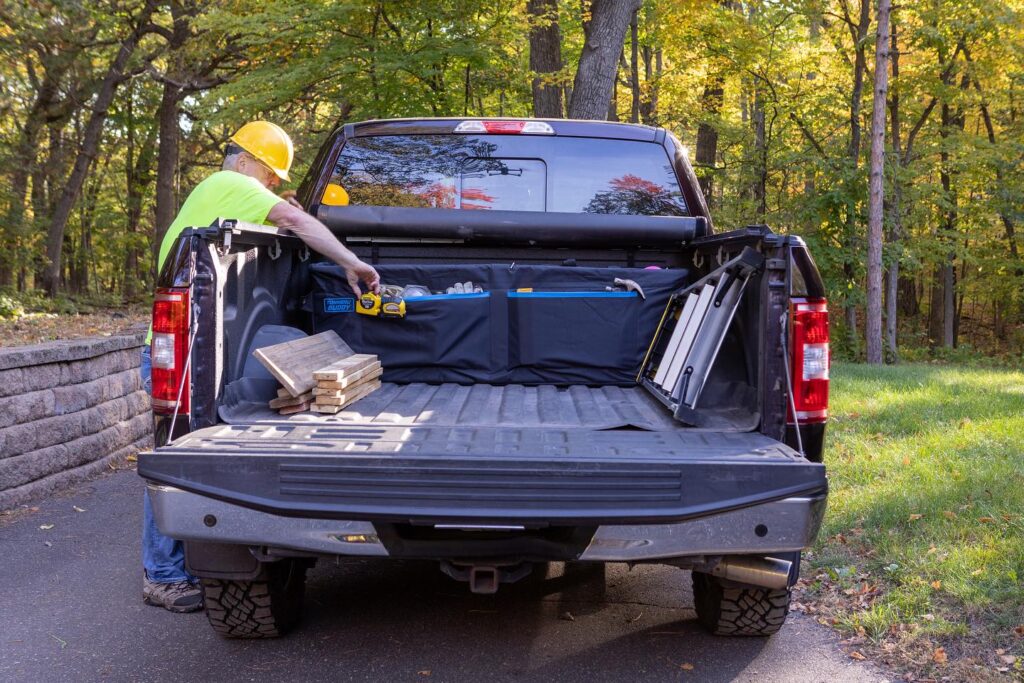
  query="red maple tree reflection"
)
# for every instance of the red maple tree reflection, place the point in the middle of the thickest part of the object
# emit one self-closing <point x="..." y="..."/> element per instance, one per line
<point x="632" y="183"/>
<point x="472" y="195"/>
<point x="633" y="195"/>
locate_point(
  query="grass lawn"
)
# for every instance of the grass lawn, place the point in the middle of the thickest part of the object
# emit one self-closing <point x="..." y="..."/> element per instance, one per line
<point x="921" y="557"/>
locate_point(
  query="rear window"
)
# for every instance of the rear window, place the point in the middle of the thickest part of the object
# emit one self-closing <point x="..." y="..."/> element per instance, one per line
<point x="521" y="173"/>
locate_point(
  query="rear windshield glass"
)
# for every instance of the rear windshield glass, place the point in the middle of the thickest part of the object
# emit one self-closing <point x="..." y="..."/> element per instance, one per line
<point x="521" y="173"/>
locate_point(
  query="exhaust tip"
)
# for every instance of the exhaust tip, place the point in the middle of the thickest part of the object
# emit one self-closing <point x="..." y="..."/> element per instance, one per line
<point x="764" y="572"/>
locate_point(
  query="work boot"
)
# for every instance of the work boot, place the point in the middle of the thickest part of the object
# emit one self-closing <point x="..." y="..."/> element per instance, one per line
<point x="180" y="596"/>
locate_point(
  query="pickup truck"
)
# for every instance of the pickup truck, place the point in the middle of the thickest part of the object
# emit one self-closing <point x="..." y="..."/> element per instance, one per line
<point x="519" y="421"/>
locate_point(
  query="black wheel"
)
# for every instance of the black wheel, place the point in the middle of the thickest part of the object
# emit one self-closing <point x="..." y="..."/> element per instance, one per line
<point x="726" y="609"/>
<point x="265" y="608"/>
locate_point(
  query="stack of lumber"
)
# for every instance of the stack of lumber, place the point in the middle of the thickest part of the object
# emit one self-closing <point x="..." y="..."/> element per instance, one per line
<point x="341" y="384"/>
<point x="319" y="373"/>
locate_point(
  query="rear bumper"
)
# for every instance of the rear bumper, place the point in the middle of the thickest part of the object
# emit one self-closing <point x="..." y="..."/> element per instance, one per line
<point x="786" y="525"/>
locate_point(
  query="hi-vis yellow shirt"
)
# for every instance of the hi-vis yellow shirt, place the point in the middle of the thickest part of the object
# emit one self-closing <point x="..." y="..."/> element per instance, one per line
<point x="225" y="194"/>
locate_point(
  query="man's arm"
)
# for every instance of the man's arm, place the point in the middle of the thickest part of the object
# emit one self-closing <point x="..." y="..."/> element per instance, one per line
<point x="288" y="216"/>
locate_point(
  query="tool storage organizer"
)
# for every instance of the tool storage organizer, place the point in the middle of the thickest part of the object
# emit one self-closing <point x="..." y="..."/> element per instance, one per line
<point x="532" y="324"/>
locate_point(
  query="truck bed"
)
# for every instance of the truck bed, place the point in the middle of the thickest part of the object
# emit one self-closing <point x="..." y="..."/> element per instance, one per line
<point x="483" y="405"/>
<point x="500" y="454"/>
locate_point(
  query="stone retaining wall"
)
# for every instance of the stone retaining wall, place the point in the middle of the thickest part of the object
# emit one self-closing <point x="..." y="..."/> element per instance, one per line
<point x="68" y="410"/>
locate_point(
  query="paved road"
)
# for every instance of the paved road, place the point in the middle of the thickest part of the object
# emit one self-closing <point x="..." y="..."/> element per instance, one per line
<point x="70" y="610"/>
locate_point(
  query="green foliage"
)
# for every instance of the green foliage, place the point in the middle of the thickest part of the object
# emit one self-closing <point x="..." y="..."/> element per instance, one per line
<point x="10" y="307"/>
<point x="310" y="66"/>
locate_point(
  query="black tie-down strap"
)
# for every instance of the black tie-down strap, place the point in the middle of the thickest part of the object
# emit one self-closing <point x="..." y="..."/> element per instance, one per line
<point x="691" y="332"/>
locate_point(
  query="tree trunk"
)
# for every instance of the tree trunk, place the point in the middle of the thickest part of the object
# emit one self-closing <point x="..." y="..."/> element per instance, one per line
<point x="859" y="36"/>
<point x="873" y="321"/>
<point x="634" y="69"/>
<point x="545" y="57"/>
<point x="759" y="188"/>
<point x="140" y="177"/>
<point x="707" y="134"/>
<point x="90" y="144"/>
<point x="892" y="275"/>
<point x="605" y="35"/>
<point x="23" y="161"/>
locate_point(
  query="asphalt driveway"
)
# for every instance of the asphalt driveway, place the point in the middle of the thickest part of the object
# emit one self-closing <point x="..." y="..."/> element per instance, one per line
<point x="71" y="610"/>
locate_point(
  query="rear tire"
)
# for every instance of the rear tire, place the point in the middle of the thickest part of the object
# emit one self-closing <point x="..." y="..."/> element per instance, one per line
<point x="264" y="608"/>
<point x="727" y="609"/>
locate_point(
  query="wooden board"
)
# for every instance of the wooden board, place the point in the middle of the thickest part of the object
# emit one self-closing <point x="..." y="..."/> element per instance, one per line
<point x="294" y="362"/>
<point x="289" y="401"/>
<point x="325" y="388"/>
<point x="282" y="393"/>
<point x="336" y="372"/>
<point x="301" y="408"/>
<point x="341" y="397"/>
<point x="359" y="392"/>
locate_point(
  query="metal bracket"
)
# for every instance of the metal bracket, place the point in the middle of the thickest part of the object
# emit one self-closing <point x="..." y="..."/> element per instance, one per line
<point x="304" y="254"/>
<point x="698" y="260"/>
<point x="274" y="250"/>
<point x="225" y="242"/>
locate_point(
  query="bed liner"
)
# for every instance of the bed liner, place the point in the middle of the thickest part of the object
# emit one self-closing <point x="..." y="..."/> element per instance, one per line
<point x="484" y="405"/>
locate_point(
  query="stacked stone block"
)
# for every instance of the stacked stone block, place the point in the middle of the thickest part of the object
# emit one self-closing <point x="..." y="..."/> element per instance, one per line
<point x="67" y="411"/>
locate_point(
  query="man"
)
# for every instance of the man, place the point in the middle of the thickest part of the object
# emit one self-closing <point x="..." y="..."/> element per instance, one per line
<point x="257" y="160"/>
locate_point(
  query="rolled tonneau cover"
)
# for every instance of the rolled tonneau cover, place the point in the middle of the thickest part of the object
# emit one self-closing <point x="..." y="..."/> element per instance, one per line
<point x="540" y="228"/>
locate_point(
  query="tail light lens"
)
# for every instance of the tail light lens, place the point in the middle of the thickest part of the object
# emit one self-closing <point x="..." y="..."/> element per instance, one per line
<point x="505" y="127"/>
<point x="810" y="359"/>
<point x="171" y="380"/>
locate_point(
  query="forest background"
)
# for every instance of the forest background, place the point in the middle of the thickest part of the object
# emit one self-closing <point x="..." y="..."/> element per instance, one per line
<point x="112" y="110"/>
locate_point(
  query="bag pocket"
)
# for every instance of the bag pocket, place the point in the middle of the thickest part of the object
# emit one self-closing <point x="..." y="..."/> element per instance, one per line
<point x="438" y="331"/>
<point x="574" y="330"/>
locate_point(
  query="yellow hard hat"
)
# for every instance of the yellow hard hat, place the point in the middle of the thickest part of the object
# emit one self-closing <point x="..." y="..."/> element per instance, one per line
<point x="269" y="143"/>
<point x="335" y="195"/>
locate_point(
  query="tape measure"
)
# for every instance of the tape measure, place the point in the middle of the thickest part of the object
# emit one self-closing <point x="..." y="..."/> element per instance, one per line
<point x="383" y="305"/>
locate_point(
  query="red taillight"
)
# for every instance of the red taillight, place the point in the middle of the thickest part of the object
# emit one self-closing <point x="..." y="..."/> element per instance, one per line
<point x="810" y="359"/>
<point x="170" y="351"/>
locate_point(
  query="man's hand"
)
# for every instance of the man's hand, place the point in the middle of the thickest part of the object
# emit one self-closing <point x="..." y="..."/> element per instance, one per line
<point x="365" y="273"/>
<point x="289" y="196"/>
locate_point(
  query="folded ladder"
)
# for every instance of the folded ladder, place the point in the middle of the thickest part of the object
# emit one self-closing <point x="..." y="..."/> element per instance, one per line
<point x="695" y="321"/>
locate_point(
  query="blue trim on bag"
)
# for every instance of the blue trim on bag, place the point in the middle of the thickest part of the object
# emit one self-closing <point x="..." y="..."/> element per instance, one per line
<point x="571" y="295"/>
<point x="434" y="297"/>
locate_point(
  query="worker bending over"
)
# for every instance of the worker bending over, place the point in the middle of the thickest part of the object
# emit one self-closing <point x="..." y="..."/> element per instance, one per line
<point x="256" y="162"/>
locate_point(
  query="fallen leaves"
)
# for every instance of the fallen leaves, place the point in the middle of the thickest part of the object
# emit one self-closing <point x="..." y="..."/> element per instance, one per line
<point x="939" y="655"/>
<point x="986" y="520"/>
<point x="77" y="509"/>
<point x="36" y="328"/>
<point x="46" y="527"/>
<point x="857" y="655"/>
<point x="937" y="585"/>
<point x="566" y="616"/>
<point x="1019" y="631"/>
<point x="914" y="517"/>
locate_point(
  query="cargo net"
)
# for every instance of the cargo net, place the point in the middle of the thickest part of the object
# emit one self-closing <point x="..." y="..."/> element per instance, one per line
<point x="690" y="334"/>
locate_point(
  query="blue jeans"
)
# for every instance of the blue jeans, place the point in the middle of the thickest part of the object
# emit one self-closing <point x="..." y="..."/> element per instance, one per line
<point x="162" y="557"/>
